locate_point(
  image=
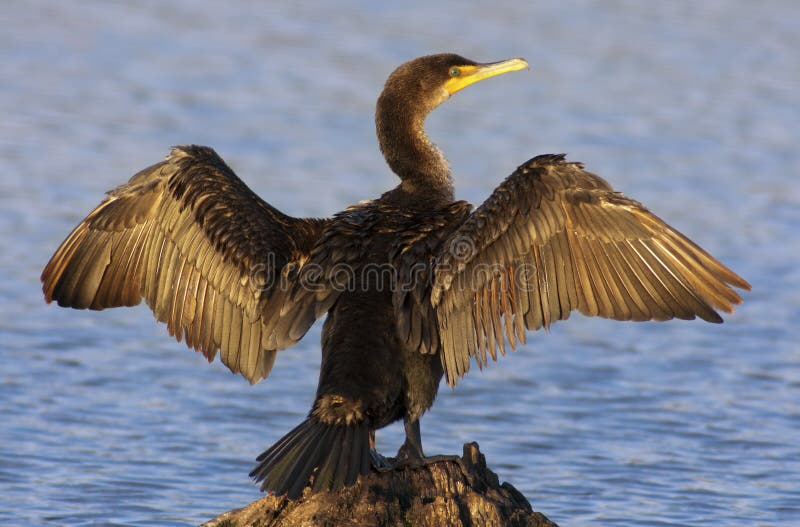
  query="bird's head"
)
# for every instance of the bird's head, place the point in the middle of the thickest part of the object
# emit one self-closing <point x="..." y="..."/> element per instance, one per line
<point x="428" y="81"/>
<point x="411" y="92"/>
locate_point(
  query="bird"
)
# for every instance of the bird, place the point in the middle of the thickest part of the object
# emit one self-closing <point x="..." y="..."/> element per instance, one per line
<point x="415" y="286"/>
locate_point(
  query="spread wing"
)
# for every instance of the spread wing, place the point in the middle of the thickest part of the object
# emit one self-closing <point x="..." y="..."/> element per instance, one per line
<point x="551" y="239"/>
<point x="210" y="258"/>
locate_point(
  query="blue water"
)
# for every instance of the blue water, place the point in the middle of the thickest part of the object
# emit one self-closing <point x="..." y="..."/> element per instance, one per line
<point x="690" y="107"/>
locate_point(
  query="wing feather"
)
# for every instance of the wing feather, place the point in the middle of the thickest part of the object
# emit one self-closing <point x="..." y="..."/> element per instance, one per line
<point x="192" y="240"/>
<point x="560" y="239"/>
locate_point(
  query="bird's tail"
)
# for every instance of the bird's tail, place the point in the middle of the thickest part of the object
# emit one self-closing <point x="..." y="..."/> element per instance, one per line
<point x="326" y="456"/>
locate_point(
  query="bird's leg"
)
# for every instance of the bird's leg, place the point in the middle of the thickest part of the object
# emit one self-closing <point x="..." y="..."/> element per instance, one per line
<point x="410" y="454"/>
<point x="379" y="462"/>
<point x="411" y="451"/>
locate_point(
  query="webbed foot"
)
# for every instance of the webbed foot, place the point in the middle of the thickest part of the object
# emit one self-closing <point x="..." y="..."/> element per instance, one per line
<point x="379" y="462"/>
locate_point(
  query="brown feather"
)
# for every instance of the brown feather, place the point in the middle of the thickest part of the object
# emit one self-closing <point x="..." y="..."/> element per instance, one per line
<point x="185" y="234"/>
<point x="564" y="240"/>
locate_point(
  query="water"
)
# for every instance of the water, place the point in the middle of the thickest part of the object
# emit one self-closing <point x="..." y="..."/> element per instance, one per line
<point x="692" y="109"/>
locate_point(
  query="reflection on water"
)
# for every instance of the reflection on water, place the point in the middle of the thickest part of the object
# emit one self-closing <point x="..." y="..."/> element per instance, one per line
<point x="691" y="109"/>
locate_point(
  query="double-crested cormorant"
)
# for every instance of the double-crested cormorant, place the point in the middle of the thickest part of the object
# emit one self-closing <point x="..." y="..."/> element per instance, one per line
<point x="415" y="285"/>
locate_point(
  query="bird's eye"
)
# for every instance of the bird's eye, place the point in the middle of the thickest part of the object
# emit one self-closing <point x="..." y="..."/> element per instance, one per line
<point x="455" y="72"/>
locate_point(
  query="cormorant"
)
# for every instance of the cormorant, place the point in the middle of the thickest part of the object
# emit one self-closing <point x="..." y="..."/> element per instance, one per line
<point x="415" y="285"/>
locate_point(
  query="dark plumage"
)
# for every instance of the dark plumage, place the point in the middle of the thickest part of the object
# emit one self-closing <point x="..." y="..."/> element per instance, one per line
<point x="415" y="285"/>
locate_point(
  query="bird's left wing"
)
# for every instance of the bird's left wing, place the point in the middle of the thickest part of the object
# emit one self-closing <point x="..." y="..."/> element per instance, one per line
<point x="553" y="238"/>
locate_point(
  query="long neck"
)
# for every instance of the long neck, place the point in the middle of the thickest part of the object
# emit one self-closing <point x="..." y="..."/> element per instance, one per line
<point x="408" y="150"/>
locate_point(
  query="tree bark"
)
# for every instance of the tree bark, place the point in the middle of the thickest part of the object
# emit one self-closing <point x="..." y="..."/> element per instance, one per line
<point x="461" y="492"/>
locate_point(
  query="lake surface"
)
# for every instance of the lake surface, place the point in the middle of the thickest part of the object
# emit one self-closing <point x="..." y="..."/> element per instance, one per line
<point x="690" y="107"/>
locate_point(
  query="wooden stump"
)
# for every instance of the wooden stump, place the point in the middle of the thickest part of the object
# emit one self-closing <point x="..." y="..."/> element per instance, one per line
<point x="458" y="493"/>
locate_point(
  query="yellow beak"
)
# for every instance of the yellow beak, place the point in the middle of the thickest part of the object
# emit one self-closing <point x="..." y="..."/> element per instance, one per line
<point x="463" y="76"/>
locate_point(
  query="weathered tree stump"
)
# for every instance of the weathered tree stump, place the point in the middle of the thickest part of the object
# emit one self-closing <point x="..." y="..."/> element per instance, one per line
<point x="459" y="493"/>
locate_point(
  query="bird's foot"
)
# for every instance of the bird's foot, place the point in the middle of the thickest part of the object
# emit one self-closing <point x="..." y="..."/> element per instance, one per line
<point x="410" y="452"/>
<point x="409" y="457"/>
<point x="379" y="462"/>
<point x="401" y="464"/>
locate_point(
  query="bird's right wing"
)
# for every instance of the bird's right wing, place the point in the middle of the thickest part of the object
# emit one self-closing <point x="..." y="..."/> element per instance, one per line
<point x="212" y="260"/>
<point x="551" y="239"/>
